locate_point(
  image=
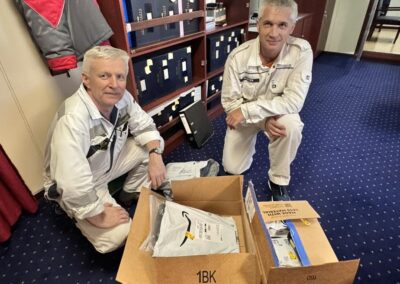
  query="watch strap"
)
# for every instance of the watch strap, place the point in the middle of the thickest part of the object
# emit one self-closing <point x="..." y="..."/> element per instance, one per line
<point x="156" y="150"/>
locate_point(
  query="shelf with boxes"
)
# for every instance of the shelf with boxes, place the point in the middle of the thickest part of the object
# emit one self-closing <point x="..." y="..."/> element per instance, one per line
<point x="220" y="42"/>
<point x="221" y="39"/>
<point x="172" y="59"/>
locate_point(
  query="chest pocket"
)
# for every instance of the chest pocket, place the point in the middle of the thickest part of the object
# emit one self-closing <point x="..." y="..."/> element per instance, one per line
<point x="249" y="88"/>
<point x="276" y="87"/>
<point x="122" y="132"/>
<point x="98" y="155"/>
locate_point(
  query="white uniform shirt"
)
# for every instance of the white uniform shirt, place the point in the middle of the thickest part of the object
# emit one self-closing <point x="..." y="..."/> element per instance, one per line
<point x="261" y="91"/>
<point x="73" y="156"/>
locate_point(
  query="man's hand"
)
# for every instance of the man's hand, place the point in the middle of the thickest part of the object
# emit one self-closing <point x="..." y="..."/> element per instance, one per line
<point x="274" y="128"/>
<point x="234" y="118"/>
<point x="110" y="217"/>
<point x="157" y="171"/>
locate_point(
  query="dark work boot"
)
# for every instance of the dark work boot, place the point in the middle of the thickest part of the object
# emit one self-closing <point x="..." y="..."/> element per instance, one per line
<point x="279" y="192"/>
<point x="126" y="199"/>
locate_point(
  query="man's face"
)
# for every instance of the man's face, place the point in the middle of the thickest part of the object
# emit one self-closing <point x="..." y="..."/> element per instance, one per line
<point x="106" y="82"/>
<point x="274" y="28"/>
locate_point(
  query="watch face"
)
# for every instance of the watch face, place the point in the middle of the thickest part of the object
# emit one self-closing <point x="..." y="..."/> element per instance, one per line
<point x="156" y="150"/>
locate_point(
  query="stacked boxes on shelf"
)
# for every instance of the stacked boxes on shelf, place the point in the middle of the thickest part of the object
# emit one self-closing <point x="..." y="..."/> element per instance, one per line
<point x="162" y="72"/>
<point x="141" y="10"/>
<point x="170" y="109"/>
<point x="219" y="45"/>
<point x="214" y="85"/>
<point x="158" y="72"/>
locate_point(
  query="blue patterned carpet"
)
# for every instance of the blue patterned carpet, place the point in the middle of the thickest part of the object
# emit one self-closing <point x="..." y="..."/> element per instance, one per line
<point x="347" y="168"/>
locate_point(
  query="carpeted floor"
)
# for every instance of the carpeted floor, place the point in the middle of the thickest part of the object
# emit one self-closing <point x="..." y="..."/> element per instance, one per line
<point x="347" y="168"/>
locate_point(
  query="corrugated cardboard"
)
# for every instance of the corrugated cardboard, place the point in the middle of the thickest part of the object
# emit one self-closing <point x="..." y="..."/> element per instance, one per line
<point x="324" y="268"/>
<point x="219" y="195"/>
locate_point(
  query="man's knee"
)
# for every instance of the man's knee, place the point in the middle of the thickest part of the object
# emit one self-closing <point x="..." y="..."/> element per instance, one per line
<point x="232" y="170"/>
<point x="292" y="124"/>
<point x="234" y="167"/>
<point x="113" y="239"/>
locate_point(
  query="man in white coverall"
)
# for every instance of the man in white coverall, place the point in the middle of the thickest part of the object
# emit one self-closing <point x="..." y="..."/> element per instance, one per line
<point x="265" y="83"/>
<point x="88" y="146"/>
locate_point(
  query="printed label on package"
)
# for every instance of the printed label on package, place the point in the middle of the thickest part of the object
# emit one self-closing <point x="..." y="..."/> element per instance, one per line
<point x="207" y="231"/>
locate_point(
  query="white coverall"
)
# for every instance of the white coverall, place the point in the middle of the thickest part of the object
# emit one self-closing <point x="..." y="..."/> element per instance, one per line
<point x="262" y="92"/>
<point x="80" y="162"/>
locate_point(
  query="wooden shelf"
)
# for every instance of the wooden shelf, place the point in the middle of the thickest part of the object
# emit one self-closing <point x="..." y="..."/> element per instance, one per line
<point x="136" y="26"/>
<point x="159" y="101"/>
<point x="173" y="141"/>
<point x="168" y="125"/>
<point x="226" y="27"/>
<point x="237" y="13"/>
<point x="167" y="43"/>
<point x="215" y="111"/>
<point x="214" y="73"/>
<point x="213" y="97"/>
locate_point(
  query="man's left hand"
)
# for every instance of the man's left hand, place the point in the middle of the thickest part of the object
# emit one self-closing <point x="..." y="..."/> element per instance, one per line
<point x="234" y="118"/>
<point x="157" y="171"/>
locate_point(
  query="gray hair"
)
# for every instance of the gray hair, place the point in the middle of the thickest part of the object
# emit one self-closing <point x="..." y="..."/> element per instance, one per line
<point x="105" y="52"/>
<point x="279" y="3"/>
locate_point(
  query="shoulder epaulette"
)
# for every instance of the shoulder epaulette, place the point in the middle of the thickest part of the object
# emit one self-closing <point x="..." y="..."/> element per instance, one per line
<point x="299" y="42"/>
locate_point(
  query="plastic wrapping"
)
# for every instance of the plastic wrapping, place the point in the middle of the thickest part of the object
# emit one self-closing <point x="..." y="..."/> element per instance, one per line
<point x="178" y="230"/>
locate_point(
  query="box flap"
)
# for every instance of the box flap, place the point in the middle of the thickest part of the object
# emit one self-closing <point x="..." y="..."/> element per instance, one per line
<point x="315" y="242"/>
<point x="337" y="272"/>
<point x="286" y="210"/>
<point x="145" y="271"/>
<point x="221" y="188"/>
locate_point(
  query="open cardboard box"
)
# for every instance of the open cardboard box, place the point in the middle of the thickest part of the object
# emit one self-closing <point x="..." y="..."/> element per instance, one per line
<point x="324" y="266"/>
<point x="255" y="263"/>
<point x="219" y="195"/>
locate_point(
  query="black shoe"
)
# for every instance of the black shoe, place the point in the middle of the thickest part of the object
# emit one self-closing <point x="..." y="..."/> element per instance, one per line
<point x="211" y="169"/>
<point x="165" y="190"/>
<point x="57" y="209"/>
<point x="126" y="199"/>
<point x="279" y="192"/>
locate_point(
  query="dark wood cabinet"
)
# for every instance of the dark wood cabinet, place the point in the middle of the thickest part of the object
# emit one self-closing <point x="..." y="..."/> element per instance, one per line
<point x="237" y="12"/>
<point x="312" y="25"/>
<point x="303" y="26"/>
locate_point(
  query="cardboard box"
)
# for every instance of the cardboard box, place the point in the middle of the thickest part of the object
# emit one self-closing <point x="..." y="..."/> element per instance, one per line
<point x="256" y="261"/>
<point x="324" y="266"/>
<point x="219" y="195"/>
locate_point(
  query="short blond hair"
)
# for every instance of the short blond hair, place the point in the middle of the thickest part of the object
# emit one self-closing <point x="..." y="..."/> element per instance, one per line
<point x="280" y="3"/>
<point x="105" y="52"/>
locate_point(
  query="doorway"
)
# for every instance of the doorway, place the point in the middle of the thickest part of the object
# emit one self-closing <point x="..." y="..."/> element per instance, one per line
<point x="378" y="41"/>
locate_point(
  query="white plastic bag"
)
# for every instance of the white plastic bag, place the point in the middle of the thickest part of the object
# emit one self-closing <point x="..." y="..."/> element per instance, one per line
<point x="188" y="231"/>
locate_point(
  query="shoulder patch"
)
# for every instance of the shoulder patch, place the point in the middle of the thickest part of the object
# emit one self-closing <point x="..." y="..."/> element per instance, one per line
<point x="244" y="46"/>
<point x="299" y="42"/>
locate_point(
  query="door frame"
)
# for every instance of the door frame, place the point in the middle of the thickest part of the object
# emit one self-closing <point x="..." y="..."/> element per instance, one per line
<point x="359" y="52"/>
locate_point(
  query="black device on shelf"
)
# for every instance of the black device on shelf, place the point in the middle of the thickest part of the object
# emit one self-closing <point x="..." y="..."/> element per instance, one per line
<point x="196" y="123"/>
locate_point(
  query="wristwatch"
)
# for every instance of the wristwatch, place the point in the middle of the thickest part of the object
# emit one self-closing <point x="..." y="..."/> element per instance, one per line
<point x="156" y="150"/>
